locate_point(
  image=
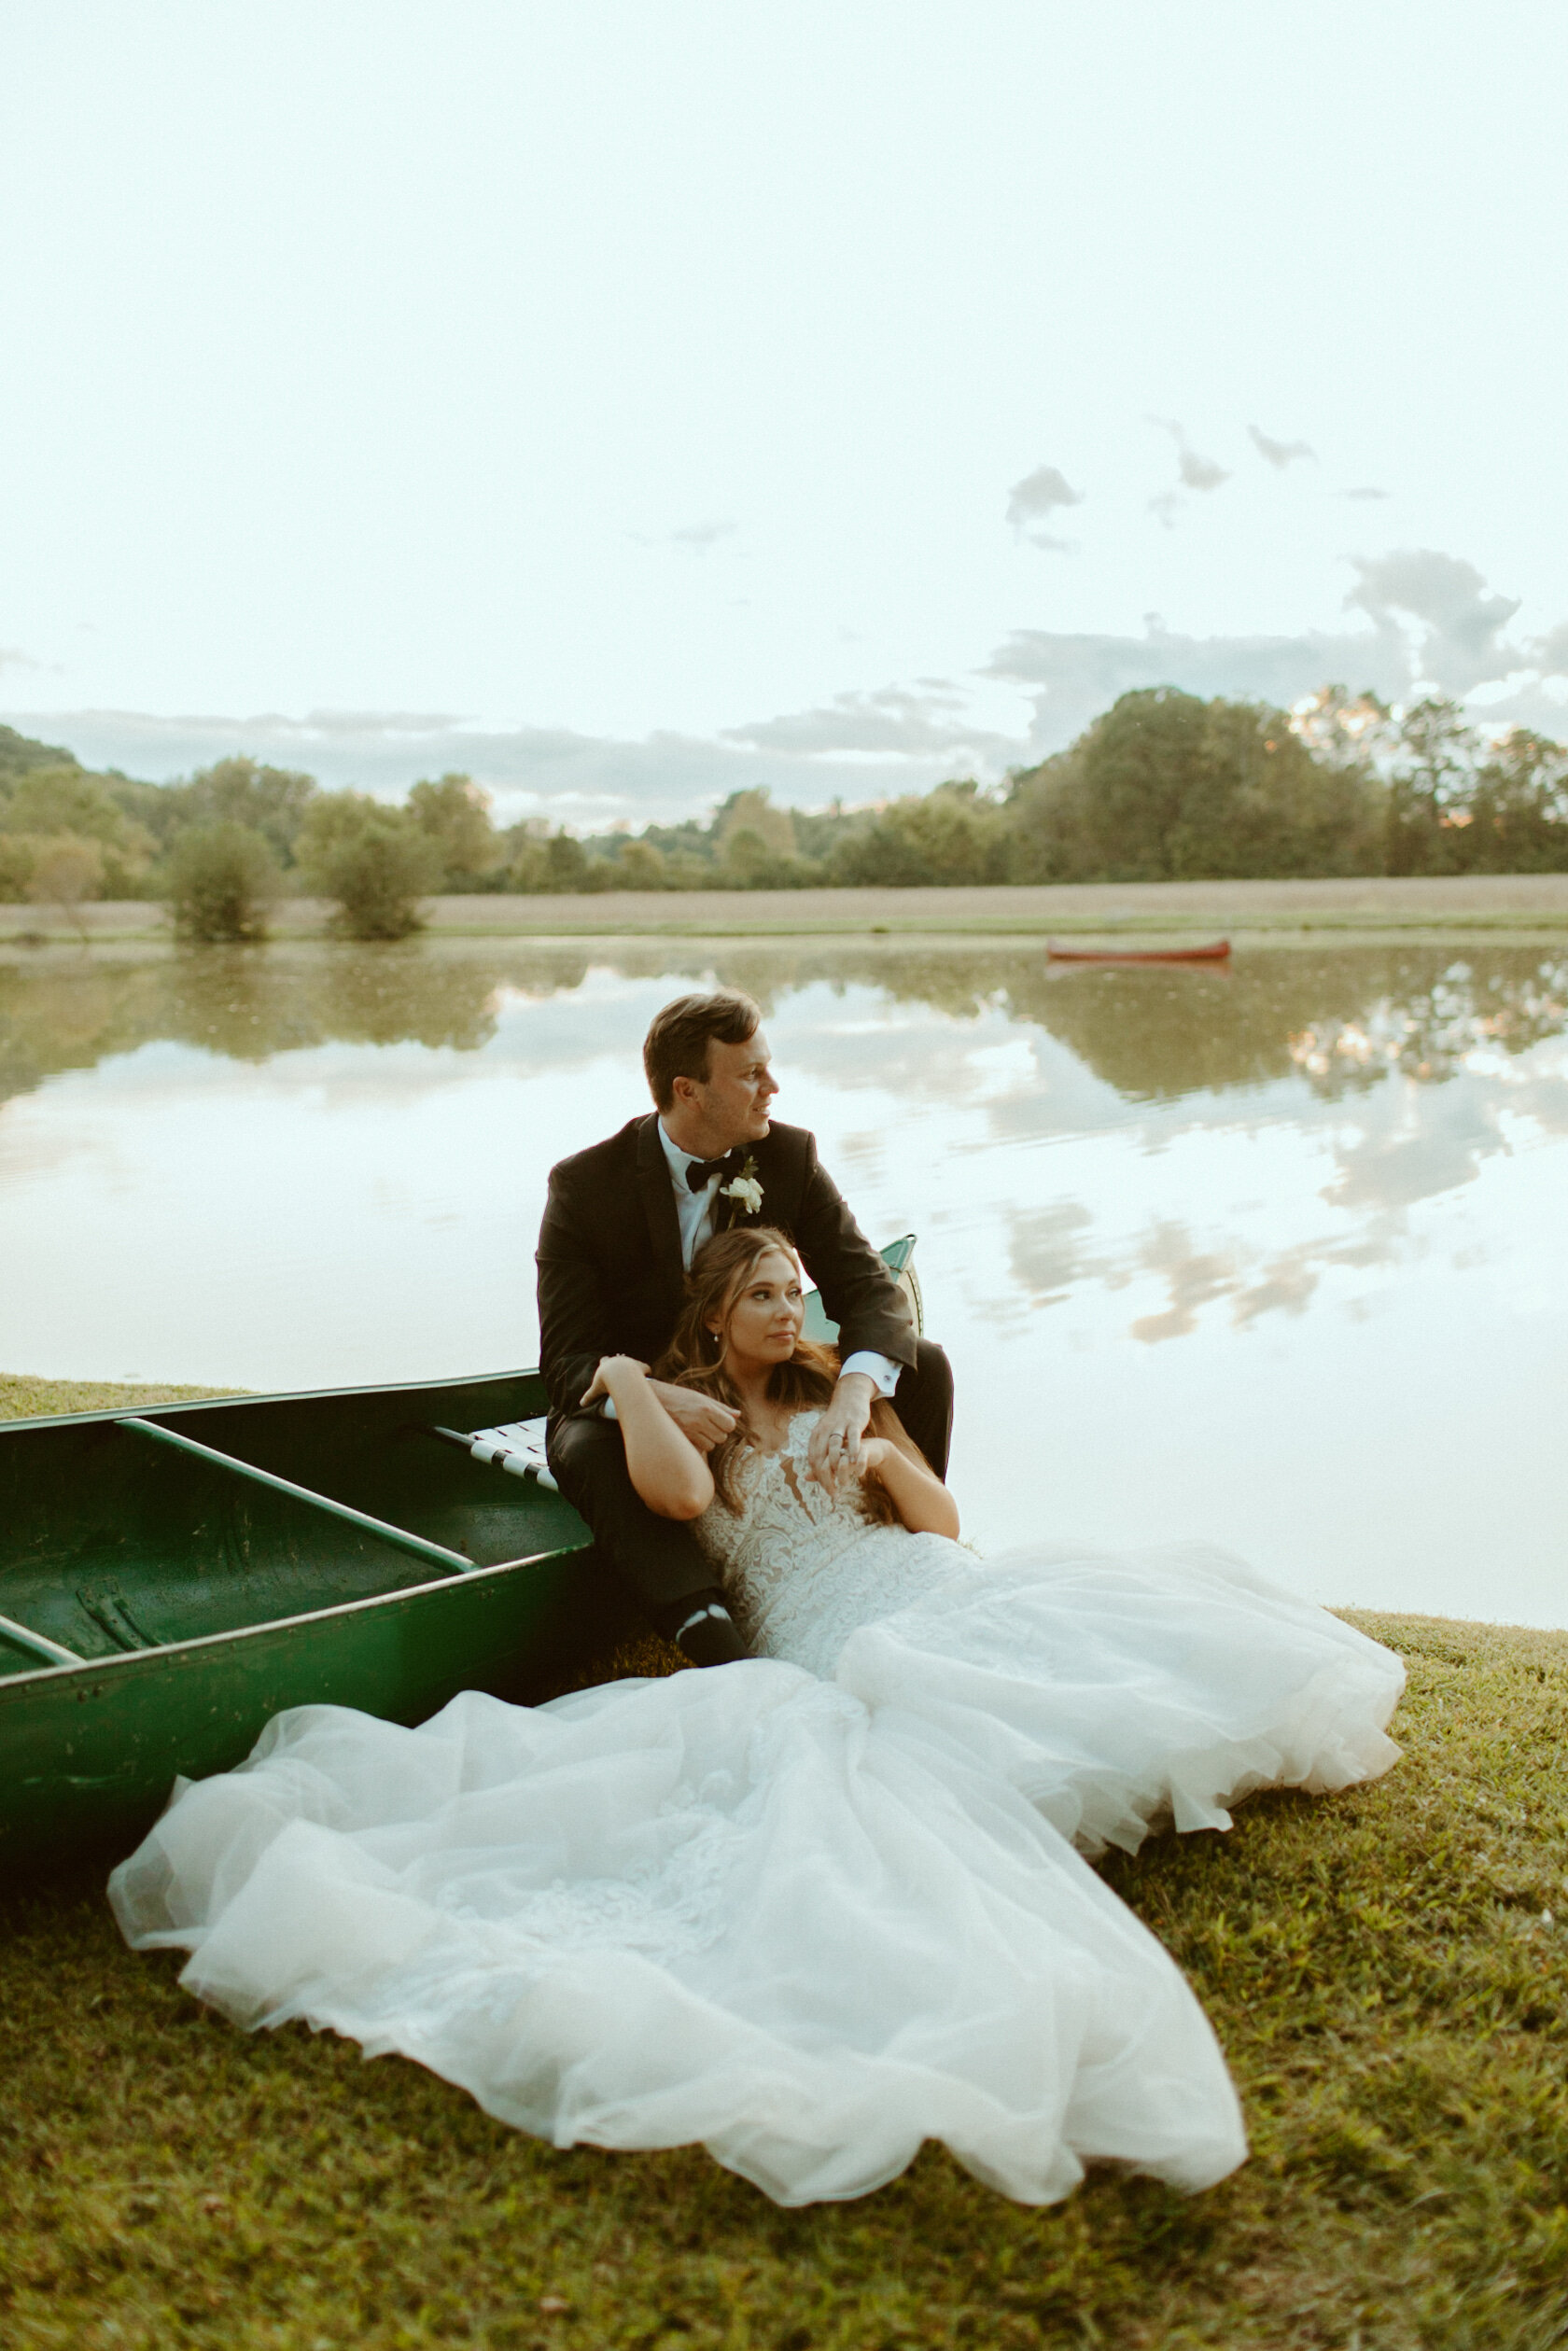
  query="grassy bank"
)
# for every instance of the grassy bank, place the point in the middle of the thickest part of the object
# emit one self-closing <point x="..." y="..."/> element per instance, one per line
<point x="1391" y="1996"/>
<point x="1379" y="906"/>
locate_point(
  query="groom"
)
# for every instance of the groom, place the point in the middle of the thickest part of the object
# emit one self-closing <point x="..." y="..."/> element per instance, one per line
<point x="622" y="1222"/>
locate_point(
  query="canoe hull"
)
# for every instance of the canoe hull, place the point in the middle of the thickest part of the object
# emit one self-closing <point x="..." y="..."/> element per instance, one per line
<point x="1217" y="951"/>
<point x="89" y="1754"/>
<point x="200" y="1603"/>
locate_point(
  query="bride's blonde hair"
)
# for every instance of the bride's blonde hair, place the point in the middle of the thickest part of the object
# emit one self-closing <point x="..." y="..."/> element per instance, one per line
<point x="695" y="1358"/>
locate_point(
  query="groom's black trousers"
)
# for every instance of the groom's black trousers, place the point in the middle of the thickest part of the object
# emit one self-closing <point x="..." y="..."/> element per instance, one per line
<point x="659" y="1558"/>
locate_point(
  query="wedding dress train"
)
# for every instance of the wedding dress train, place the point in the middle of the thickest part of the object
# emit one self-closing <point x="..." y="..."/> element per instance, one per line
<point x="810" y="1909"/>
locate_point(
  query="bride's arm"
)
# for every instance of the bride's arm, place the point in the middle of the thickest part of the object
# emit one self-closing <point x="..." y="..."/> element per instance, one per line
<point x="665" y="1467"/>
<point x="923" y="1502"/>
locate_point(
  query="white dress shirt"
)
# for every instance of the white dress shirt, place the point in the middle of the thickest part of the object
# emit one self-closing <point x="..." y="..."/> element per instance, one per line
<point x="695" y="1210"/>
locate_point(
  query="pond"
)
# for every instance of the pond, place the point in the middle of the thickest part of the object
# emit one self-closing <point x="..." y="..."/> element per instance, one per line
<point x="1275" y="1255"/>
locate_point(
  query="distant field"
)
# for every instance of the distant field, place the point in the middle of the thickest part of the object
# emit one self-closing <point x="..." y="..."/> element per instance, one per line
<point x="1485" y="901"/>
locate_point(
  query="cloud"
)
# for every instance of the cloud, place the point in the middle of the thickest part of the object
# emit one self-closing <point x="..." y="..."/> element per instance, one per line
<point x="1196" y="472"/>
<point x="1080" y="675"/>
<point x="1551" y="653"/>
<point x="1036" y="497"/>
<point x="1462" y="645"/>
<point x="1430" y="619"/>
<point x="1366" y="492"/>
<point x="12" y="657"/>
<point x="1417" y="614"/>
<point x="696" y="536"/>
<point x="893" y="721"/>
<point x="1193" y="470"/>
<point x="1281" y="453"/>
<point x="864" y="746"/>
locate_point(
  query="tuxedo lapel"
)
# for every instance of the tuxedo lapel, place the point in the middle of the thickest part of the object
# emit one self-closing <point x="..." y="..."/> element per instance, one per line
<point x="657" y="1194"/>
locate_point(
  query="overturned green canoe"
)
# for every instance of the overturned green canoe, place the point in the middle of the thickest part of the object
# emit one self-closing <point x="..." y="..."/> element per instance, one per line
<point x="171" y="1579"/>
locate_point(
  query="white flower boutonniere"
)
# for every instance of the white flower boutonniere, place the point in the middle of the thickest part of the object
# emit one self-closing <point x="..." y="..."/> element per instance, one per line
<point x="744" y="1189"/>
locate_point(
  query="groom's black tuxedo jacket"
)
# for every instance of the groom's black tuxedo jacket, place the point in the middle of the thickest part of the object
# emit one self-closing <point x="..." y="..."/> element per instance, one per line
<point x="609" y="1272"/>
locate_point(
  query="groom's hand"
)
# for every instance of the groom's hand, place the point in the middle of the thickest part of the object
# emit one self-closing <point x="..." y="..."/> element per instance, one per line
<point x="834" y="1455"/>
<point x="701" y="1418"/>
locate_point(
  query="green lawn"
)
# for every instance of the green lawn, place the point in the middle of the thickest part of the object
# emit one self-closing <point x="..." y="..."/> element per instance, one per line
<point x="1392" y="1999"/>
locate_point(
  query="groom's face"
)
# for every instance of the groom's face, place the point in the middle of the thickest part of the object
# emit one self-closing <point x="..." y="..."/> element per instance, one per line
<point x="736" y="1092"/>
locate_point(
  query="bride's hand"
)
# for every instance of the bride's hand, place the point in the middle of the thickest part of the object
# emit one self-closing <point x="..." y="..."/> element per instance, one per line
<point x="874" y="1452"/>
<point x="612" y="1368"/>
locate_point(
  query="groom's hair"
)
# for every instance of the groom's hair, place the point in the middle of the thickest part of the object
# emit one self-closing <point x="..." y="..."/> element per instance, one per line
<point x="676" y="1043"/>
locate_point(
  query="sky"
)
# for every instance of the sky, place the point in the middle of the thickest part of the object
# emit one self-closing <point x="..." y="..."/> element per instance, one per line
<point x="628" y="401"/>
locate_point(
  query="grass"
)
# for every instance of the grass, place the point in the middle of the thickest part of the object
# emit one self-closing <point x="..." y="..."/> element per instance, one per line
<point x="1372" y="905"/>
<point x="1393" y="2000"/>
<point x="22" y="1397"/>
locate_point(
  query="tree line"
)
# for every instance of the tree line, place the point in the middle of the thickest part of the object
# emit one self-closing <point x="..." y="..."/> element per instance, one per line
<point x="1163" y="786"/>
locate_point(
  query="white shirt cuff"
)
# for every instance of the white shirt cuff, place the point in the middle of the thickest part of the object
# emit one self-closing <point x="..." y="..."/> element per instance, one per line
<point x="877" y="1367"/>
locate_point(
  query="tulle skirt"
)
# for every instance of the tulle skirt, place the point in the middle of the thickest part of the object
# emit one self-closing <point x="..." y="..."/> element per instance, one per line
<point x="808" y="1923"/>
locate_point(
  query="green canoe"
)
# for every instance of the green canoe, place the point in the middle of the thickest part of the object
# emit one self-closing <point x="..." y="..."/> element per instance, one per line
<point x="170" y="1579"/>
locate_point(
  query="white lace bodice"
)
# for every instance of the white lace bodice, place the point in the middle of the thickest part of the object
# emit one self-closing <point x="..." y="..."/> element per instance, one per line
<point x="802" y="1568"/>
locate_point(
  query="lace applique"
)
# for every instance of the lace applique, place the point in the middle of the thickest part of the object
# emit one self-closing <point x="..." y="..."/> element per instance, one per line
<point x="801" y="1567"/>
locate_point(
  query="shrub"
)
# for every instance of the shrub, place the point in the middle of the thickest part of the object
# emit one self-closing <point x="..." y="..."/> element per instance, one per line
<point x="66" y="871"/>
<point x="377" y="862"/>
<point x="51" y="803"/>
<point x="638" y="865"/>
<point x="220" y="883"/>
<point x="556" y="863"/>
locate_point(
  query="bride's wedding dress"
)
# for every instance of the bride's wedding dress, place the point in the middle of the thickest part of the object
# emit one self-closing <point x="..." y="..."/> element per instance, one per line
<point x="809" y="1910"/>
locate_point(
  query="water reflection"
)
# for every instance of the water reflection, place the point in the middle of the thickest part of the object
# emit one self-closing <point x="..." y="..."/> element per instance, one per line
<point x="1342" y="1017"/>
<point x="1273" y="1253"/>
<point x="76" y="1012"/>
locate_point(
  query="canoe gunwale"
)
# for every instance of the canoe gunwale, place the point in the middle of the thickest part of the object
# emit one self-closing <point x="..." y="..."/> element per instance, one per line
<point x="1217" y="951"/>
<point x="383" y="1529"/>
<point x="184" y="1404"/>
<point x="95" y="1667"/>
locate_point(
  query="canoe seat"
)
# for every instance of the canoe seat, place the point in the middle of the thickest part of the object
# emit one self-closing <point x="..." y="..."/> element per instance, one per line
<point x="516" y="1447"/>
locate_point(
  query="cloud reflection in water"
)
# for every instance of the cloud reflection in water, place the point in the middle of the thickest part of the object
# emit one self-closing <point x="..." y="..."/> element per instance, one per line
<point x="1237" y="1253"/>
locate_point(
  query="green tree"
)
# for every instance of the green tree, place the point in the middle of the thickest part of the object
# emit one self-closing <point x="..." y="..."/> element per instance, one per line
<point x="950" y="838"/>
<point x="754" y="845"/>
<point x="639" y="866"/>
<point x="558" y="863"/>
<point x="21" y="753"/>
<point x="1164" y="786"/>
<point x="1519" y="808"/>
<point x="66" y="871"/>
<point x="220" y="882"/>
<point x="271" y="801"/>
<point x="454" y="814"/>
<point x="566" y="863"/>
<point x="55" y="801"/>
<point x="374" y="860"/>
<point x="1431" y="784"/>
<point x="753" y="811"/>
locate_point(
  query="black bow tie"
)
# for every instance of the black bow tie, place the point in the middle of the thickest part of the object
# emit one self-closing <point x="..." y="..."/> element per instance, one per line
<point x="702" y="1171"/>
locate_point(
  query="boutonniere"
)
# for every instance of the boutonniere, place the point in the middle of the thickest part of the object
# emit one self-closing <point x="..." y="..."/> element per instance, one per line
<point x="744" y="1189"/>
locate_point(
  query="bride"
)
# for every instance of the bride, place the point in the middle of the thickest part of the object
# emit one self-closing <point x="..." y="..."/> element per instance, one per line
<point x="815" y="1907"/>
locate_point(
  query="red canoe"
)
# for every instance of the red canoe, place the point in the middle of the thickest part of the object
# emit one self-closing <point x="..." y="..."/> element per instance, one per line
<point x="1215" y="952"/>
